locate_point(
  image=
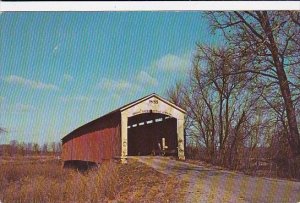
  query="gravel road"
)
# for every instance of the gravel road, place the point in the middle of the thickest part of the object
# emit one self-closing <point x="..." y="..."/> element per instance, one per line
<point x="203" y="184"/>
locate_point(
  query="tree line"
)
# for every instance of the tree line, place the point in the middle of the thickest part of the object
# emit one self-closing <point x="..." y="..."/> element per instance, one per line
<point x="27" y="149"/>
<point x="243" y="97"/>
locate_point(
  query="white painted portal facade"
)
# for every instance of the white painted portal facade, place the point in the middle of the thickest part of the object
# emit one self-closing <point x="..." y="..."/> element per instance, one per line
<point x="155" y="104"/>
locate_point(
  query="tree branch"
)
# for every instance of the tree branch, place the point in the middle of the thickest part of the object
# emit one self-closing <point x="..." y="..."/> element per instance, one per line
<point x="249" y="26"/>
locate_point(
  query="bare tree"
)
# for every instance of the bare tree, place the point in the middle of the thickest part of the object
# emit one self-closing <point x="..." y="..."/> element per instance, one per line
<point x="216" y="103"/>
<point x="29" y="148"/>
<point x="45" y="148"/>
<point x="13" y="147"/>
<point x="36" y="148"/>
<point x="270" y="42"/>
<point x="58" y="148"/>
<point x="22" y="148"/>
<point x="236" y="99"/>
<point x="53" y="147"/>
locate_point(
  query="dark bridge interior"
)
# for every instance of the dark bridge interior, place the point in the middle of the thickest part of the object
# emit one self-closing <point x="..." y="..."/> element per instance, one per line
<point x="146" y="130"/>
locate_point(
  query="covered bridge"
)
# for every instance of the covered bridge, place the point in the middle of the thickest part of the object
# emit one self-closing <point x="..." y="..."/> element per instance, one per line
<point x="143" y="127"/>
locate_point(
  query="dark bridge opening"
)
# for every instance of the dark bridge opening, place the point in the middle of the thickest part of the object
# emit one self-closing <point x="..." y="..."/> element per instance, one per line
<point x="146" y="133"/>
<point x="80" y="165"/>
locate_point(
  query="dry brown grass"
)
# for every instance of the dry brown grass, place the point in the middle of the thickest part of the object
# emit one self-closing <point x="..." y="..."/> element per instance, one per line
<point x="143" y="184"/>
<point x="47" y="181"/>
<point x="33" y="180"/>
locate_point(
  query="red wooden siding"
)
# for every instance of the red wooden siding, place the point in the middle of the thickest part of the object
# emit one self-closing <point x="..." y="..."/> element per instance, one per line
<point x="95" y="141"/>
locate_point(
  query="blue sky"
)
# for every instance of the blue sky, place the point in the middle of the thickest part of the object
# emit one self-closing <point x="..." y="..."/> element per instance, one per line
<point x="60" y="70"/>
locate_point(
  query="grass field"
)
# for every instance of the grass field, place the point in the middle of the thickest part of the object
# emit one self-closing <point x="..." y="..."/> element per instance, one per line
<point x="42" y="179"/>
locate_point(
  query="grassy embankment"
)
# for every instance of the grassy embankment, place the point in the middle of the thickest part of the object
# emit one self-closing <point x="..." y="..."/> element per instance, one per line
<point x="37" y="179"/>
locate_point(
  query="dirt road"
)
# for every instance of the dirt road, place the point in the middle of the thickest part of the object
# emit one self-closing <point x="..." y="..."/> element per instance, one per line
<point x="204" y="184"/>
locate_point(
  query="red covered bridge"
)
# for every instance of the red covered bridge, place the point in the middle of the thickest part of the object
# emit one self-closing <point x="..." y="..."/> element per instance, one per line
<point x="142" y="127"/>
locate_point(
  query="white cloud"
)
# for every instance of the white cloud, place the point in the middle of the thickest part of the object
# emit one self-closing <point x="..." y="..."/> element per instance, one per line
<point x="17" y="108"/>
<point x="55" y="49"/>
<point x="171" y="62"/>
<point x="145" y="78"/>
<point x="76" y="98"/>
<point x="119" y="85"/>
<point x="68" y="77"/>
<point x="13" y="79"/>
<point x="23" y="107"/>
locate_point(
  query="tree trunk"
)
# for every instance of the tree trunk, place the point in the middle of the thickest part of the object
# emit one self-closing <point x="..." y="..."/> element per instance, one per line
<point x="284" y="87"/>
